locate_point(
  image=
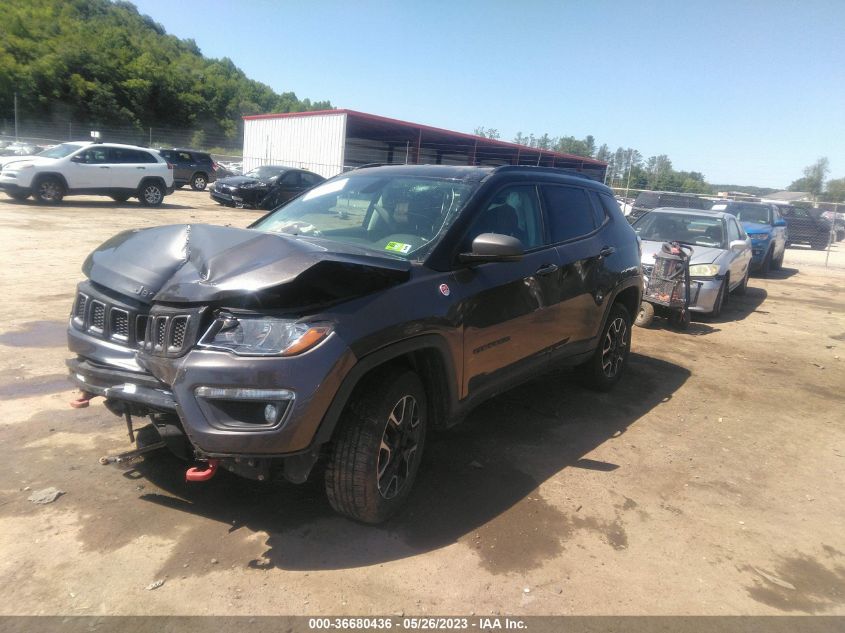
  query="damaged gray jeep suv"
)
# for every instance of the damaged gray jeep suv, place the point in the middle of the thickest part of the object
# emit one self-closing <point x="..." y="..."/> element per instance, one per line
<point x="340" y="328"/>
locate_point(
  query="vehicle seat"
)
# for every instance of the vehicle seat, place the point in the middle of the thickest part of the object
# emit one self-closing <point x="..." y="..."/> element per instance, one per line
<point x="501" y="219"/>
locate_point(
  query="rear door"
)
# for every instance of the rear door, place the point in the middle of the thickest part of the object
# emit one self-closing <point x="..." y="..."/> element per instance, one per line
<point x="130" y="166"/>
<point x="576" y="221"/>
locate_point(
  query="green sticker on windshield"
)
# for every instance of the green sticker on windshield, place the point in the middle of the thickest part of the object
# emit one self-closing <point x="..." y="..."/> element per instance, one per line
<point x="398" y="247"/>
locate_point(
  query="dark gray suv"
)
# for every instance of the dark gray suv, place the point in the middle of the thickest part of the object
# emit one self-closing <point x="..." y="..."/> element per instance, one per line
<point x="341" y="327"/>
<point x="190" y="167"/>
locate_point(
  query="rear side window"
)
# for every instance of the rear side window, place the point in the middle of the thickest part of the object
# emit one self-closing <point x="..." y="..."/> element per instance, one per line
<point x="610" y="204"/>
<point x="569" y="211"/>
<point x="291" y="179"/>
<point x="599" y="213"/>
<point x="123" y="155"/>
<point x="309" y="180"/>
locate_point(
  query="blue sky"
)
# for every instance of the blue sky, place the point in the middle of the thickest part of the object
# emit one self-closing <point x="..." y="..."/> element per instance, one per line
<point x="745" y="92"/>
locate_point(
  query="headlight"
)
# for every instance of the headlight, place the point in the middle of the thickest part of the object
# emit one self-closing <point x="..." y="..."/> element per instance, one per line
<point x="759" y="236"/>
<point x="704" y="270"/>
<point x="263" y="336"/>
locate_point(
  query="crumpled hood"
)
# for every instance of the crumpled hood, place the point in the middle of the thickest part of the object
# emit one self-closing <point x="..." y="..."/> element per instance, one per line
<point x="755" y="227"/>
<point x="700" y="254"/>
<point x="201" y="263"/>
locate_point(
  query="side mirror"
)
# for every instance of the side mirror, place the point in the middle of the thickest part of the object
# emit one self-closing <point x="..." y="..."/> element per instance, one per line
<point x="738" y="245"/>
<point x="780" y="222"/>
<point x="494" y="247"/>
<point x="77" y="159"/>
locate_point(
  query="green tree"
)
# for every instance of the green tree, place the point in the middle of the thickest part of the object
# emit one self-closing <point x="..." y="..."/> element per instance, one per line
<point x="813" y="180"/>
<point x="487" y="132"/>
<point x="835" y="190"/>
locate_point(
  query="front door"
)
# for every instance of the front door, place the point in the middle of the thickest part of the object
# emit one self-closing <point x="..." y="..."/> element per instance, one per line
<point x="89" y="169"/>
<point x="510" y="309"/>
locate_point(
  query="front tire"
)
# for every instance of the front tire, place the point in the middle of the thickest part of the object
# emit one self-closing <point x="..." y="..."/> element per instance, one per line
<point x="199" y="182"/>
<point x="20" y="196"/>
<point x="645" y="316"/>
<point x="377" y="448"/>
<point x="151" y="195"/>
<point x="777" y="264"/>
<point x="720" y="300"/>
<point x="743" y="287"/>
<point x="605" y="367"/>
<point x="766" y="265"/>
<point x="119" y="198"/>
<point x="49" y="190"/>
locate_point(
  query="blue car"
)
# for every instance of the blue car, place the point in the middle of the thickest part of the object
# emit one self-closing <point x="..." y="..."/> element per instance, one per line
<point x="766" y="228"/>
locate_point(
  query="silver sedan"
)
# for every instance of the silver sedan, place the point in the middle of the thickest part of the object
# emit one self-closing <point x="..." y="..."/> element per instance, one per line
<point x="721" y="252"/>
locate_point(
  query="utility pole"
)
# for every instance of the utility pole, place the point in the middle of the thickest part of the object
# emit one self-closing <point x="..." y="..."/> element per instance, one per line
<point x="630" y="165"/>
<point x="16" y="116"/>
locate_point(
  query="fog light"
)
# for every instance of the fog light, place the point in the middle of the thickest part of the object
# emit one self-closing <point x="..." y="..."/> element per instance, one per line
<point x="271" y="413"/>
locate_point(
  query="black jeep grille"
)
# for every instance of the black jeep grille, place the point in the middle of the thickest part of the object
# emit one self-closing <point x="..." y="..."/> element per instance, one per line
<point x="98" y="315"/>
<point x="119" y="324"/>
<point x="168" y="334"/>
<point x="154" y="330"/>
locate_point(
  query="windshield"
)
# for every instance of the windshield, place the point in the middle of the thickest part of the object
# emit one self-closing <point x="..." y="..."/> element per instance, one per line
<point x="60" y="151"/>
<point x="396" y="215"/>
<point x="264" y="172"/>
<point x="756" y="213"/>
<point x="699" y="230"/>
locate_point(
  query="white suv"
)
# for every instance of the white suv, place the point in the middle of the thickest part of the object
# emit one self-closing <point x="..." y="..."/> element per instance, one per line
<point x="106" y="169"/>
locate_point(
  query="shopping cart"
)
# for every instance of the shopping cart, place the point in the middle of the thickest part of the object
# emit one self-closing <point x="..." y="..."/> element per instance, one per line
<point x="667" y="289"/>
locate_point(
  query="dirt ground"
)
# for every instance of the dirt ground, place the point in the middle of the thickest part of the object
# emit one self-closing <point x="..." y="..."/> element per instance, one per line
<point x="709" y="482"/>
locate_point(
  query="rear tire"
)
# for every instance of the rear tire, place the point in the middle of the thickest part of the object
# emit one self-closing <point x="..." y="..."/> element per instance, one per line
<point x="49" y="190"/>
<point x="819" y="243"/>
<point x="645" y="315"/>
<point x="199" y="182"/>
<point x="607" y="364"/>
<point x="151" y="194"/>
<point x="119" y="198"/>
<point x="377" y="447"/>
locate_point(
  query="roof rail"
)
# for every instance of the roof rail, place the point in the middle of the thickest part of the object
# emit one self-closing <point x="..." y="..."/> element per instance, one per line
<point x="568" y="171"/>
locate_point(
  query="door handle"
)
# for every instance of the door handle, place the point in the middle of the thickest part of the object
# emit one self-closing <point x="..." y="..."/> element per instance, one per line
<point x="103" y="167"/>
<point x="547" y="269"/>
<point x="140" y="168"/>
<point x="607" y="251"/>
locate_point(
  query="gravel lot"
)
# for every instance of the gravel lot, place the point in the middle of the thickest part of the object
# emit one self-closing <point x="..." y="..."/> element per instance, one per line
<point x="709" y="482"/>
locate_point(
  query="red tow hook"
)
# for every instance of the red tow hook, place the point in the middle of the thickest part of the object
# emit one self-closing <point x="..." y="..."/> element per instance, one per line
<point x="195" y="474"/>
<point x="83" y="400"/>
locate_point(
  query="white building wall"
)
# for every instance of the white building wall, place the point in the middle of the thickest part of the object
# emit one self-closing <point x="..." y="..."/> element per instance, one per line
<point x="315" y="143"/>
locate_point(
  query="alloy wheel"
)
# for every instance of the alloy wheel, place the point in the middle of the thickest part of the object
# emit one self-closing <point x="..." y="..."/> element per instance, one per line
<point x="614" y="348"/>
<point x="398" y="447"/>
<point x="152" y="194"/>
<point x="49" y="190"/>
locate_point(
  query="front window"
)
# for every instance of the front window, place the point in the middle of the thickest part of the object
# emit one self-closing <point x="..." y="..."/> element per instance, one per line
<point x="395" y="215"/>
<point x="751" y="213"/>
<point x="698" y="230"/>
<point x="60" y="151"/>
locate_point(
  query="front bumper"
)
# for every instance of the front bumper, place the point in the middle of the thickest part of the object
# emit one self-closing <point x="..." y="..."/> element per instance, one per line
<point x="13" y="187"/>
<point x="205" y="388"/>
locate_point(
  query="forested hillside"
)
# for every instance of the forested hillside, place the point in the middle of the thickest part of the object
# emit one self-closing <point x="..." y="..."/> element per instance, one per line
<point x="100" y="62"/>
